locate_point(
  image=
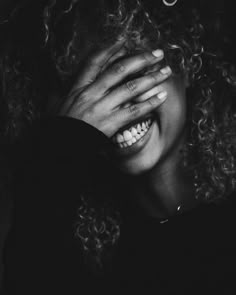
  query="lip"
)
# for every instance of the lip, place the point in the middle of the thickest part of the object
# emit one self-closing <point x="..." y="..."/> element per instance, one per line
<point x="138" y="146"/>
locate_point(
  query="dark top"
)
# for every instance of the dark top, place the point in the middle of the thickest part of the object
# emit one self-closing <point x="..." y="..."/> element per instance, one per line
<point x="192" y="253"/>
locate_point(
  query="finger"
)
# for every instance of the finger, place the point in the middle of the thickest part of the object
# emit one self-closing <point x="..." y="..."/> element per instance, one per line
<point x="122" y="69"/>
<point x="135" y="88"/>
<point x="154" y="91"/>
<point x="95" y="64"/>
<point x="137" y="111"/>
<point x="120" y="53"/>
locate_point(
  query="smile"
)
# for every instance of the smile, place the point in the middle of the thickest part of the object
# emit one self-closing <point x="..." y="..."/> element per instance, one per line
<point x="132" y="135"/>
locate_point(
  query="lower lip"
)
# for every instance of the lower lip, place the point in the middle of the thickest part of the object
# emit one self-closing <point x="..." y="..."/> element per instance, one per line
<point x="138" y="146"/>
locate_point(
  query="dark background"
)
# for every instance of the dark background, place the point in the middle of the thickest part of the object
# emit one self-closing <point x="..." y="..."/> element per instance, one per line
<point x="224" y="8"/>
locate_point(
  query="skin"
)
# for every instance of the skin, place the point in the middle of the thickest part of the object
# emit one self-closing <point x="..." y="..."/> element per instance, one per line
<point x="101" y="98"/>
<point x="158" y="179"/>
<point x="94" y="99"/>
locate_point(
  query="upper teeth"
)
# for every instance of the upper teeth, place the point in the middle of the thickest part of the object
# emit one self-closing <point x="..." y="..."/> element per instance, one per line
<point x="131" y="135"/>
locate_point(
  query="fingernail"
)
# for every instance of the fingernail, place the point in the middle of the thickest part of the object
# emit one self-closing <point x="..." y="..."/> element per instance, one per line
<point x="166" y="70"/>
<point x="162" y="95"/>
<point x="158" y="53"/>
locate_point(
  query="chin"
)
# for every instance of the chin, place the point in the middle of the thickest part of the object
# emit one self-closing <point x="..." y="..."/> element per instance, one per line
<point x="136" y="169"/>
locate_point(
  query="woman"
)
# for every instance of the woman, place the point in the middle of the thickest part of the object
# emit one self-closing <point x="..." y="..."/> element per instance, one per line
<point x="122" y="181"/>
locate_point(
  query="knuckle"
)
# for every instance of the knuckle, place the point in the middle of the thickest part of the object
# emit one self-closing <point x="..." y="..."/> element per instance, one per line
<point x="133" y="110"/>
<point x="83" y="100"/>
<point x="96" y="108"/>
<point x="82" y="97"/>
<point x="147" y="57"/>
<point x="89" y="113"/>
<point x="93" y="62"/>
<point x="118" y="68"/>
<point x="154" y="77"/>
<point x="152" y="102"/>
<point x="131" y="86"/>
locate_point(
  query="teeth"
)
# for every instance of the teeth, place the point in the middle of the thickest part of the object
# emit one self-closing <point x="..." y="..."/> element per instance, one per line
<point x="134" y="131"/>
<point x="127" y="135"/>
<point x="119" y="138"/>
<point x="131" y="136"/>
<point x="129" y="142"/>
<point x="139" y="128"/>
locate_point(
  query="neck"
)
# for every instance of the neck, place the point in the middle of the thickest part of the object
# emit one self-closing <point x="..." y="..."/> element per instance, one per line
<point x="166" y="189"/>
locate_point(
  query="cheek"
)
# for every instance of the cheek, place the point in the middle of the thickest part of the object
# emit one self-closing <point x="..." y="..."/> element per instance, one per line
<point x="167" y="135"/>
<point x="173" y="112"/>
<point x="173" y="115"/>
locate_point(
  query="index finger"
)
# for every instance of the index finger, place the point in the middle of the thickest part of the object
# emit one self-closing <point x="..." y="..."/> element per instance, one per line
<point x="97" y="62"/>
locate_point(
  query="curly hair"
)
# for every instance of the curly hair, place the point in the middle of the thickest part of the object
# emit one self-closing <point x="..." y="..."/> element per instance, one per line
<point x="191" y="44"/>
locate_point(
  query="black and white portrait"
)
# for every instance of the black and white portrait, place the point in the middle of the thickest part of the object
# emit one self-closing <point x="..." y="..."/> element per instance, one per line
<point x="118" y="147"/>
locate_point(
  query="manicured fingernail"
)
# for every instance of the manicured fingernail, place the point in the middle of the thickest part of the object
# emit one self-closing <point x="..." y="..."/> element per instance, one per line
<point x="162" y="95"/>
<point x="166" y="71"/>
<point x="158" y="53"/>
